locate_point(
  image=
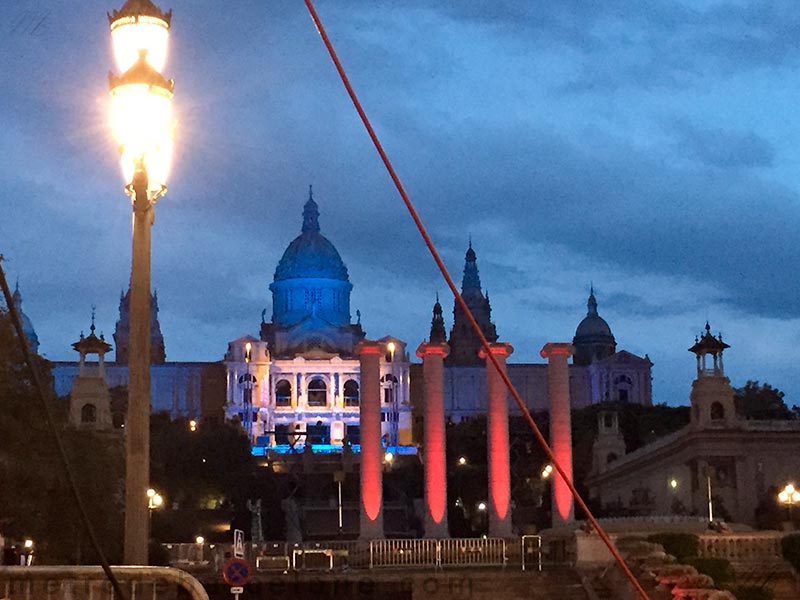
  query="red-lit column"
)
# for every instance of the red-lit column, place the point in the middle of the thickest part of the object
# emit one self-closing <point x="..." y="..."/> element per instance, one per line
<point x="433" y="355"/>
<point x="557" y="355"/>
<point x="497" y="447"/>
<point x="369" y="356"/>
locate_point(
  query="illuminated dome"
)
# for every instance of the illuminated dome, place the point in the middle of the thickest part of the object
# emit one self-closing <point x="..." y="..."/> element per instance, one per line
<point x="593" y="338"/>
<point x="311" y="254"/>
<point x="311" y="278"/>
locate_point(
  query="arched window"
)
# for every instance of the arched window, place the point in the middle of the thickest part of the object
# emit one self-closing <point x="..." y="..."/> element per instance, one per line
<point x="88" y="413"/>
<point x="717" y="411"/>
<point x="247" y="382"/>
<point x="317" y="392"/>
<point x="389" y="384"/>
<point x="351" y="393"/>
<point x="283" y="393"/>
<point x="623" y="385"/>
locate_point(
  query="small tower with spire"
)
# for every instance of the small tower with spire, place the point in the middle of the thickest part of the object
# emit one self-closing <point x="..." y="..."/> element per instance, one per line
<point x="89" y="400"/>
<point x="438" y="332"/>
<point x="464" y="344"/>
<point x="712" y="395"/>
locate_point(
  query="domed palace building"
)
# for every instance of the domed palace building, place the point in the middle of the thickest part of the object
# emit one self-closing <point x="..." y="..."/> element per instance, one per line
<point x="299" y="382"/>
<point x="295" y="379"/>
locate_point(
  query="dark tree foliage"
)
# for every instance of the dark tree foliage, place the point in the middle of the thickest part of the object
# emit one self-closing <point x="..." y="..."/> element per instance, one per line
<point x="761" y="401"/>
<point x="206" y="477"/>
<point x="35" y="499"/>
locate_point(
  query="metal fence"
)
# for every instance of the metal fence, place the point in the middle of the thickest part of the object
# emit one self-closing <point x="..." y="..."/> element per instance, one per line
<point x="404" y="553"/>
<point x="531" y="551"/>
<point x="375" y="554"/>
<point x="325" y="556"/>
<point x="483" y="552"/>
<point x="90" y="583"/>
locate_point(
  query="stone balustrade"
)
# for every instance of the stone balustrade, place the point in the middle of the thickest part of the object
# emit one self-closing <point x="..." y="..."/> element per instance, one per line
<point x="742" y="546"/>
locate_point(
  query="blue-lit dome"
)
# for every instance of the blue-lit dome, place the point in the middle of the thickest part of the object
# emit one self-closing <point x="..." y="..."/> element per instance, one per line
<point x="311" y="255"/>
<point x="311" y="278"/>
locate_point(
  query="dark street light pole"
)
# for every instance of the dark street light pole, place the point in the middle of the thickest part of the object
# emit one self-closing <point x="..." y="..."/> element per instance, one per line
<point x="141" y="117"/>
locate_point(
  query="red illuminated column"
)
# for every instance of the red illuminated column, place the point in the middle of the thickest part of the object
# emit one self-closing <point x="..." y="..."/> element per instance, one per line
<point x="433" y="355"/>
<point x="557" y="355"/>
<point x="497" y="447"/>
<point x="369" y="356"/>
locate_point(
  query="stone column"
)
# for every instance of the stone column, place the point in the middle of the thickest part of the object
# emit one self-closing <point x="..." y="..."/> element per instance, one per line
<point x="497" y="446"/>
<point x="557" y="355"/>
<point x="369" y="355"/>
<point x="433" y="355"/>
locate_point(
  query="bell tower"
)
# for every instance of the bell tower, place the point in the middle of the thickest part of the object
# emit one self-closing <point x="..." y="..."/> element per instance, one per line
<point x="712" y="395"/>
<point x="89" y="400"/>
<point x="608" y="445"/>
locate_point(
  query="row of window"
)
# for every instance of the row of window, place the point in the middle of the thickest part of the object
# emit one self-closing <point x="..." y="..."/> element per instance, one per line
<point x="317" y="393"/>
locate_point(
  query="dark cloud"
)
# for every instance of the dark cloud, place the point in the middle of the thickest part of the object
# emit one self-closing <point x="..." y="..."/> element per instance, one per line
<point x="724" y="148"/>
<point x="469" y="100"/>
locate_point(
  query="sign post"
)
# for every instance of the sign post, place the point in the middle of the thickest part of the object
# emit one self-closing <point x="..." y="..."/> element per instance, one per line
<point x="238" y="543"/>
<point x="236" y="573"/>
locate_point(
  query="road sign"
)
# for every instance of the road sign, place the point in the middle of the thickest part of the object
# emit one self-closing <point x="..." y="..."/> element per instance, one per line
<point x="236" y="572"/>
<point x="238" y="543"/>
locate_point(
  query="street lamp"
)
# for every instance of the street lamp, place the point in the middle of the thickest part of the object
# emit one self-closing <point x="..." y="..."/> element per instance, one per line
<point x="547" y="471"/>
<point x="462" y="460"/>
<point x="789" y="496"/>
<point x="142" y="126"/>
<point x="154" y="500"/>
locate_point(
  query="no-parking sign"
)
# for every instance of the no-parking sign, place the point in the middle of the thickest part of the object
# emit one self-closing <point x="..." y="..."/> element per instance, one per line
<point x="236" y="572"/>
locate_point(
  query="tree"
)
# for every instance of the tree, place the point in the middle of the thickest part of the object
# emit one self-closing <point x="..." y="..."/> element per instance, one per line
<point x="35" y="499"/>
<point x="754" y="401"/>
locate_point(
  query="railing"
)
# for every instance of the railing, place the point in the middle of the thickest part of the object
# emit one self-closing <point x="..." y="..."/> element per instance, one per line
<point x="325" y="556"/>
<point x="187" y="554"/>
<point x="484" y="552"/>
<point x="742" y="546"/>
<point x="531" y="551"/>
<point x="90" y="583"/>
<point x="403" y="553"/>
<point x="376" y="554"/>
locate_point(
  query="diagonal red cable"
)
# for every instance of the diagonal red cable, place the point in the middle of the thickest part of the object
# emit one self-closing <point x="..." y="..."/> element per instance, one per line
<point x="450" y="283"/>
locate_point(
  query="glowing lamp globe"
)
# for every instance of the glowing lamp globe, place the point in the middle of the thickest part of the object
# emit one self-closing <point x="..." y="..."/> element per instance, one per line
<point x="142" y="122"/>
<point x="140" y="25"/>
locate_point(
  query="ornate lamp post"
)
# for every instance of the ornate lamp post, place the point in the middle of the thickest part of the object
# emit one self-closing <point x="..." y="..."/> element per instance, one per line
<point x="142" y="125"/>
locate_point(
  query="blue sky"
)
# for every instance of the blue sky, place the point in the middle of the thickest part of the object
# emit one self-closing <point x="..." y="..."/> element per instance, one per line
<point x="650" y="148"/>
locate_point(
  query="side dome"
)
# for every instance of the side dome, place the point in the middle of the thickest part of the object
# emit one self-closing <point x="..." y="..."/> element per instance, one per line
<point x="593" y="339"/>
<point x="311" y="255"/>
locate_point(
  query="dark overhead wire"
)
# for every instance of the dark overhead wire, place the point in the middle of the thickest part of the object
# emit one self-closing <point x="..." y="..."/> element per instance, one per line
<point x="470" y="317"/>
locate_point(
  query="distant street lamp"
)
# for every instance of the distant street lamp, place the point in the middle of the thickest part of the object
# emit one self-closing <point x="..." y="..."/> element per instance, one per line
<point x="193" y="425"/>
<point x="154" y="501"/>
<point x="547" y="471"/>
<point x="789" y="496"/>
<point x="142" y="126"/>
<point x="462" y="460"/>
<point x="673" y="484"/>
<point x="481" y="506"/>
<point x="27" y="558"/>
